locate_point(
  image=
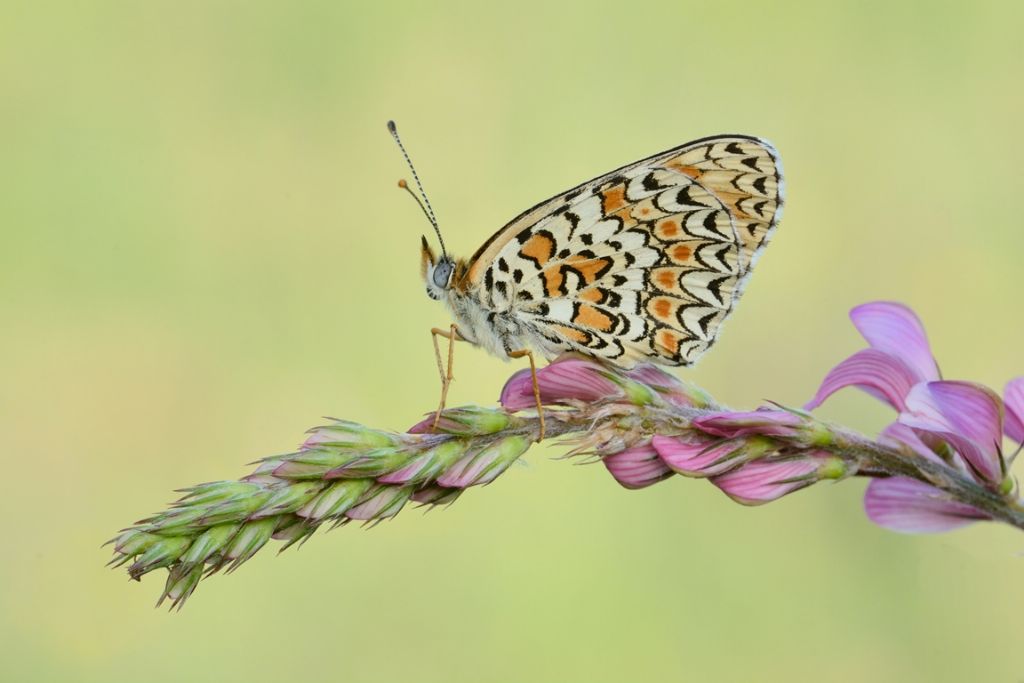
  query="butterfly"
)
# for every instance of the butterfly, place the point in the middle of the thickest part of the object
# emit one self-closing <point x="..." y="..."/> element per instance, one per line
<point x="643" y="263"/>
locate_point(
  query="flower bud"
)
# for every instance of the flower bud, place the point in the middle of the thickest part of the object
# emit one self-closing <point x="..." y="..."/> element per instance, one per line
<point x="381" y="503"/>
<point x="669" y="387"/>
<point x="373" y="463"/>
<point x="209" y="543"/>
<point x="163" y="551"/>
<point x="335" y="500"/>
<point x="637" y="467"/>
<point x="767" y="479"/>
<point x="287" y="499"/>
<point x="800" y="428"/>
<point x="249" y="539"/>
<point x="484" y="465"/>
<point x="696" y="456"/>
<point x="466" y="421"/>
<point x="428" y="466"/>
<point x="563" y="381"/>
<point x="182" y="579"/>
<point x="436" y="495"/>
<point x="344" y="434"/>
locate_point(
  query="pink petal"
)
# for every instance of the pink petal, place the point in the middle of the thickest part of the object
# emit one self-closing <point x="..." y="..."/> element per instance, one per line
<point x="669" y="386"/>
<point x="698" y="457"/>
<point x="895" y="329"/>
<point x="1013" y="398"/>
<point x="573" y="378"/>
<point x="881" y="374"/>
<point x="966" y="415"/>
<point x="762" y="481"/>
<point x="897" y="435"/>
<point x="756" y="422"/>
<point x="424" y="426"/>
<point x="517" y="393"/>
<point x="637" y="467"/>
<point x="913" y="507"/>
<point x="655" y="377"/>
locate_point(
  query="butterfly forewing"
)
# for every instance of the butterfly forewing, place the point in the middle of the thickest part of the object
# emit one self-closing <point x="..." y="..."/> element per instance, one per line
<point x="645" y="262"/>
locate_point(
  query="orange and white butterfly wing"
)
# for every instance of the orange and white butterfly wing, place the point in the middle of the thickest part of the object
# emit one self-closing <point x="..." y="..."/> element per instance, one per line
<point x="645" y="262"/>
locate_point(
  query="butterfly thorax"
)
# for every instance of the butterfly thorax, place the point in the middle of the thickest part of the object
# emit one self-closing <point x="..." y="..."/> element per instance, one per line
<point x="495" y="329"/>
<point x="498" y="332"/>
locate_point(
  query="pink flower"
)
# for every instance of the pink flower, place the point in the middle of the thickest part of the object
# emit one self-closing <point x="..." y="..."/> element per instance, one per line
<point x="967" y="416"/>
<point x="693" y="456"/>
<point x="637" y="467"/>
<point x="913" y="507"/>
<point x="910" y="506"/>
<point x="900" y="436"/>
<point x="767" y="479"/>
<point x="1013" y="398"/>
<point x="900" y="370"/>
<point x="574" y="378"/>
<point x="668" y="386"/>
<point x="898" y="359"/>
<point x="955" y="424"/>
<point x="571" y="378"/>
<point x="764" y="422"/>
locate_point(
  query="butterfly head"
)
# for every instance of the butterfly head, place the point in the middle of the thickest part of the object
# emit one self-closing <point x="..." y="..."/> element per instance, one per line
<point x="438" y="273"/>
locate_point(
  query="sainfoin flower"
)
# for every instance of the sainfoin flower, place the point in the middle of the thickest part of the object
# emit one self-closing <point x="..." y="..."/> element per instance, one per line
<point x="572" y="379"/>
<point x="958" y="424"/>
<point x="766" y="479"/>
<point x="569" y="379"/>
<point x="701" y="455"/>
<point x="754" y="457"/>
<point x="898" y="358"/>
<point x="758" y="456"/>
<point x="637" y="467"/>
<point x="940" y="464"/>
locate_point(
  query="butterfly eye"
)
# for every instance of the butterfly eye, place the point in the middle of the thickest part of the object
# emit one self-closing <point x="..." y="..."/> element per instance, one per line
<point x="442" y="273"/>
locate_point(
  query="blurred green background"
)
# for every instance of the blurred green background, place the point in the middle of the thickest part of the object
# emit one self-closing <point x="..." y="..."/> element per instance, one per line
<point x="202" y="251"/>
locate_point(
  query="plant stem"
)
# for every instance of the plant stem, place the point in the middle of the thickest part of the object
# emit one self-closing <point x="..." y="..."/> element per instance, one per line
<point x="862" y="455"/>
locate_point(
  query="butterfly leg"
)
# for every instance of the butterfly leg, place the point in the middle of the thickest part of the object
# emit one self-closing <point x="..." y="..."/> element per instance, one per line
<point x="452" y="335"/>
<point x="536" y="387"/>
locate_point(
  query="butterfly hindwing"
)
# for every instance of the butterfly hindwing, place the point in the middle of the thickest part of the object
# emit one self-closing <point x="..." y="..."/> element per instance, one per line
<point x="645" y="262"/>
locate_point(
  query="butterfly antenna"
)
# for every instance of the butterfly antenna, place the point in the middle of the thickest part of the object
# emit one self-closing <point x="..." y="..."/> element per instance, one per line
<point x="405" y="186"/>
<point x="428" y="210"/>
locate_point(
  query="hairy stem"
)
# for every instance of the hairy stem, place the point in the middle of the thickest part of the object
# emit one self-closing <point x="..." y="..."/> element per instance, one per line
<point x="874" y="458"/>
